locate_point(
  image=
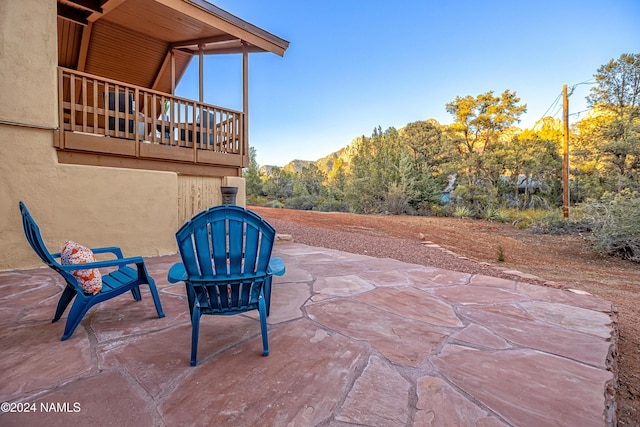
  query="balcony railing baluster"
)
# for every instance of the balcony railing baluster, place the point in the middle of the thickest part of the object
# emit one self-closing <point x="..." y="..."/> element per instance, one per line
<point x="96" y="106"/>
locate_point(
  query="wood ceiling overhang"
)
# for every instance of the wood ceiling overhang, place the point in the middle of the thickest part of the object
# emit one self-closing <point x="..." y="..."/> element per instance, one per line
<point x="132" y="40"/>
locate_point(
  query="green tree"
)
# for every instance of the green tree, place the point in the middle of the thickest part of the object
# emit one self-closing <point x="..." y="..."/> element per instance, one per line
<point x="423" y="176"/>
<point x="308" y="187"/>
<point x="533" y="165"/>
<point x="252" y="175"/>
<point x="375" y="165"/>
<point x="590" y="167"/>
<point x="479" y="124"/>
<point x="362" y="193"/>
<point x="479" y="121"/>
<point x="279" y="184"/>
<point x="335" y="191"/>
<point x="617" y="92"/>
<point x="424" y="140"/>
<point x="312" y="179"/>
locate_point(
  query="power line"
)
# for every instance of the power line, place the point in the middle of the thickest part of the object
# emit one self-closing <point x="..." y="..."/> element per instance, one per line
<point x="577" y="113"/>
<point x="586" y="82"/>
<point x="556" y="107"/>
<point x="557" y="111"/>
<point x="554" y="103"/>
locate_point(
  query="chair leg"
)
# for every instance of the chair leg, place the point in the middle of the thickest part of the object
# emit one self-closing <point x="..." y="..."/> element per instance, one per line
<point x="195" y="329"/>
<point x="263" y="325"/>
<point x="136" y="293"/>
<point x="66" y="297"/>
<point x="267" y="292"/>
<point x="155" y="296"/>
<point x="142" y="271"/>
<point x="191" y="298"/>
<point x="78" y="310"/>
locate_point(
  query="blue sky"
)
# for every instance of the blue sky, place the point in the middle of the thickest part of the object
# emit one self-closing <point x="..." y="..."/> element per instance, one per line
<point x="354" y="65"/>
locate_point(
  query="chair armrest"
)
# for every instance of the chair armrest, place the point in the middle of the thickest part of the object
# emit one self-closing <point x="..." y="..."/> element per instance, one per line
<point x="177" y="273"/>
<point x="103" y="264"/>
<point x="276" y="266"/>
<point x="109" y="249"/>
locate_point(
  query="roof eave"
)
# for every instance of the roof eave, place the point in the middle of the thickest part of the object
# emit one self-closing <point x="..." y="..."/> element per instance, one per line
<point x="262" y="40"/>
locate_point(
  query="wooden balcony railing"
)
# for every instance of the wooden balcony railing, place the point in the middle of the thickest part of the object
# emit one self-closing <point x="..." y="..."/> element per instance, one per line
<point x="108" y="117"/>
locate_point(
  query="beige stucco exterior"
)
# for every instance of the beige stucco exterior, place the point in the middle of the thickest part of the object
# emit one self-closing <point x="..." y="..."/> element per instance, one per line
<point x="94" y="206"/>
<point x="28" y="62"/>
<point x="136" y="210"/>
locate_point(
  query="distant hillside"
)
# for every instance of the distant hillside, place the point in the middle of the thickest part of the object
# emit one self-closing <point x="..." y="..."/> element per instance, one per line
<point x="341" y="158"/>
<point x="292" y="166"/>
<point x="265" y="169"/>
<point x="297" y="165"/>
<point x="328" y="164"/>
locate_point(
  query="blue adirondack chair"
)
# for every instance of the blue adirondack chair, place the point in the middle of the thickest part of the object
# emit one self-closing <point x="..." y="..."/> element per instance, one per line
<point x="119" y="281"/>
<point x="226" y="266"/>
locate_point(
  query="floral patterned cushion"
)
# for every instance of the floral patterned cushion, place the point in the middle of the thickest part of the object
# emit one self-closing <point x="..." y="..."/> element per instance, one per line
<point x="90" y="280"/>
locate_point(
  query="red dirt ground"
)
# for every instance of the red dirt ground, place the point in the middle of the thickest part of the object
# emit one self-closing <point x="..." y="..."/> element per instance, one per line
<point x="563" y="259"/>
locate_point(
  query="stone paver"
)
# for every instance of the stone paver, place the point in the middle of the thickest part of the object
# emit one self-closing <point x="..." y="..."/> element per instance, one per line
<point x="527" y="387"/>
<point x="369" y="401"/>
<point x="440" y="404"/>
<point x="353" y="340"/>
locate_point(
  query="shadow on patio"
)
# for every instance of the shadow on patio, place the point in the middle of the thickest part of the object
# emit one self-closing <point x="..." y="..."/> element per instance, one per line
<point x="354" y="340"/>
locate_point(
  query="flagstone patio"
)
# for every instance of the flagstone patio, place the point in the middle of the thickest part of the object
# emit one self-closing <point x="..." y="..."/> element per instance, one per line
<point x="354" y="340"/>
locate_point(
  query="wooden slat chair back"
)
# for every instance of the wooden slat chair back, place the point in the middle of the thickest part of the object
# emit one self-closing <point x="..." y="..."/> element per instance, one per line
<point x="226" y="266"/>
<point x="123" y="278"/>
<point x="125" y="105"/>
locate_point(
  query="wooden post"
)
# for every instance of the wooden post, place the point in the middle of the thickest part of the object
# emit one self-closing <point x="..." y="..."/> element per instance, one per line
<point x="244" y="150"/>
<point x="173" y="72"/>
<point x="201" y="72"/>
<point x="172" y="106"/>
<point x="565" y="155"/>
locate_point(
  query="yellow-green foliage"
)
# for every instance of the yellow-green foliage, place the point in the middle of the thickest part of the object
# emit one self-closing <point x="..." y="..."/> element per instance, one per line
<point x="526" y="218"/>
<point x="462" y="212"/>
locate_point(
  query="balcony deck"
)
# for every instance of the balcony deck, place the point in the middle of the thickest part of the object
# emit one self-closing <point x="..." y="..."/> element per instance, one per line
<point x="354" y="340"/>
<point x="109" y="123"/>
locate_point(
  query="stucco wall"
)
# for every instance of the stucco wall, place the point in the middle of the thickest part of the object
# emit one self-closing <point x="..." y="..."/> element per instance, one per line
<point x="91" y="205"/>
<point x="95" y="206"/>
<point x="28" y="58"/>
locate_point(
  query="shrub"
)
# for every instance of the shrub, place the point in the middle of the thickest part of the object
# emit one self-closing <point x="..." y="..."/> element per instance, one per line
<point x="256" y="200"/>
<point x="462" y="212"/>
<point x="615" y="225"/>
<point x="488" y="214"/>
<point x="303" y="202"/>
<point x="553" y="222"/>
<point x="396" y="199"/>
<point x="496" y="214"/>
<point x="274" y="204"/>
<point x="440" y="210"/>
<point x="331" y="205"/>
<point x="538" y="220"/>
<point x="502" y="215"/>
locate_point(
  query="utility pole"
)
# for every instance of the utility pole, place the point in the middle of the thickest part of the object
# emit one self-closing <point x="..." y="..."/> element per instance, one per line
<point x="565" y="156"/>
